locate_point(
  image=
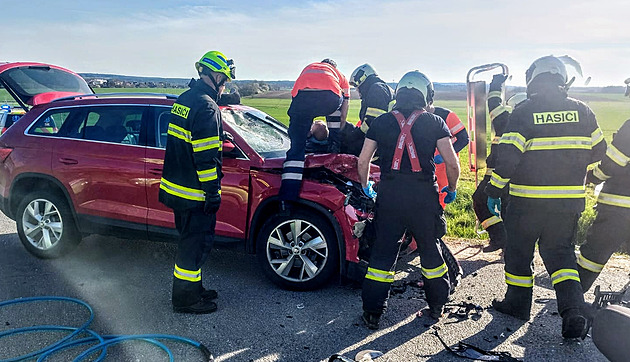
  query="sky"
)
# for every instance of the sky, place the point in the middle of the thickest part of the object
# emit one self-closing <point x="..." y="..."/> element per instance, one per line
<point x="275" y="40"/>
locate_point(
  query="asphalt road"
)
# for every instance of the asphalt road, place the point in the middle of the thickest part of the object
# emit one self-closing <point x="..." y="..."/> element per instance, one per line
<point x="128" y="283"/>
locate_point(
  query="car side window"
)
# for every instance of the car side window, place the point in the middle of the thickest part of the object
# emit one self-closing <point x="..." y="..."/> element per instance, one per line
<point x="113" y="124"/>
<point x="50" y="123"/>
<point x="163" y="118"/>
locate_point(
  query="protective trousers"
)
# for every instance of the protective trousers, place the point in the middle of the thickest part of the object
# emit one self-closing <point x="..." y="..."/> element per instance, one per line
<point x="196" y="236"/>
<point x="555" y="233"/>
<point x="305" y="106"/>
<point x="609" y="230"/>
<point x="405" y="202"/>
<point x="491" y="223"/>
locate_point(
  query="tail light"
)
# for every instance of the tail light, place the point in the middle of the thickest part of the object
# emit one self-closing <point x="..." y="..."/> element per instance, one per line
<point x="4" y="153"/>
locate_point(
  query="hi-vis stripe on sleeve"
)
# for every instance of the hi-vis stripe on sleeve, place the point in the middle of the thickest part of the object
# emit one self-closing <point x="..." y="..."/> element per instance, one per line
<point x="614" y="200"/>
<point x="207" y="175"/>
<point x="563" y="275"/>
<point x="597" y="172"/>
<point x="494" y="94"/>
<point x="617" y="156"/>
<point x="456" y="128"/>
<point x="497" y="111"/>
<point x="547" y="192"/>
<point x="596" y="137"/>
<point x="435" y="272"/>
<point x="205" y="144"/>
<point x="383" y="276"/>
<point x="181" y="191"/>
<point x="515" y="139"/>
<point x="589" y="264"/>
<point x="187" y="275"/>
<point x="519" y="281"/>
<point x="498" y="181"/>
<point x="374" y="112"/>
<point x="179" y="132"/>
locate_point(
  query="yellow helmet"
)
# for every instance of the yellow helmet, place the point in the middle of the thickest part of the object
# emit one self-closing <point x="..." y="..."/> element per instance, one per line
<point x="360" y="74"/>
<point x="215" y="61"/>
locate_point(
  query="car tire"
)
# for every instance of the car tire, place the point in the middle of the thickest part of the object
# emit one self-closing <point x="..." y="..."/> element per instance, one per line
<point x="305" y="264"/>
<point x="45" y="225"/>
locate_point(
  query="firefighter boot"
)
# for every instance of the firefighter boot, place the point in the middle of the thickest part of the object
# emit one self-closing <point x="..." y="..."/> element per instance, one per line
<point x="575" y="323"/>
<point x="497" y="238"/>
<point x="587" y="278"/>
<point x="203" y="306"/>
<point x="371" y="320"/>
<point x="517" y="302"/>
<point x="209" y="294"/>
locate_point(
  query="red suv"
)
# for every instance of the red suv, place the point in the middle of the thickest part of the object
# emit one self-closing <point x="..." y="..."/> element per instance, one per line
<point x="91" y="164"/>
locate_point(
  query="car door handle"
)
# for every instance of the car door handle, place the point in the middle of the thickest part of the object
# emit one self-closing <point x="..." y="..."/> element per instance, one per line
<point x="155" y="171"/>
<point x="68" y="161"/>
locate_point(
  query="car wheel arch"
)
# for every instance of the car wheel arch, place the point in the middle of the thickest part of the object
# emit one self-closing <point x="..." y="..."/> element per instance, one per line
<point x="25" y="183"/>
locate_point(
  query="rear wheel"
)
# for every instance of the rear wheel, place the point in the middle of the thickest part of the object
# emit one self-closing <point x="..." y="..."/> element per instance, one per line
<point x="45" y="225"/>
<point x="298" y="252"/>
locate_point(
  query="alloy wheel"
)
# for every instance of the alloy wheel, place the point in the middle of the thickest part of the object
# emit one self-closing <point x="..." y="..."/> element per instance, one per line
<point x="42" y="224"/>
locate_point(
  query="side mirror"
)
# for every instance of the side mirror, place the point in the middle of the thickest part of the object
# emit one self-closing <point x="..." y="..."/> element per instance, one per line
<point x="228" y="146"/>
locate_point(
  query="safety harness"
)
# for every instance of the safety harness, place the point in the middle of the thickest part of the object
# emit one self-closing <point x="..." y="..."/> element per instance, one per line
<point x="406" y="140"/>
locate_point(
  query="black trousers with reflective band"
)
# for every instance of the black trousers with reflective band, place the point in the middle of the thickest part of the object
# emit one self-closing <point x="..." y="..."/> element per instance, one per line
<point x="196" y="236"/>
<point x="305" y="106"/>
<point x="555" y="234"/>
<point x="610" y="229"/>
<point x="405" y="203"/>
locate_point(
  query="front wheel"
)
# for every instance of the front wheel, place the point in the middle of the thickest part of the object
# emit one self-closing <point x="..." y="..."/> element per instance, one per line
<point x="45" y="225"/>
<point x="298" y="252"/>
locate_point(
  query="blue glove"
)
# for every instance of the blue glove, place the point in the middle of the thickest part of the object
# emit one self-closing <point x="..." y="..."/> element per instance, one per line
<point x="450" y="195"/>
<point x="438" y="159"/>
<point x="494" y="205"/>
<point x="369" y="191"/>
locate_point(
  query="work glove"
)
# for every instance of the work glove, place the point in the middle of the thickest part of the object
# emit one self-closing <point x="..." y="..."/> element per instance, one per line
<point x="213" y="201"/>
<point x="494" y="205"/>
<point x="498" y="79"/>
<point x="438" y="159"/>
<point x="450" y="195"/>
<point x="369" y="190"/>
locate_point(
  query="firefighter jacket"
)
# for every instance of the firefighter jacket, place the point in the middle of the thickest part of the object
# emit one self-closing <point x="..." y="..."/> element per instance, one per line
<point x="543" y="153"/>
<point x="499" y="116"/>
<point x="192" y="162"/>
<point x="615" y="171"/>
<point x="425" y="132"/>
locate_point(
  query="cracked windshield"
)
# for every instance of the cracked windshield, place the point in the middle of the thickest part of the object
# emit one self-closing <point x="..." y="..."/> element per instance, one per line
<point x="263" y="133"/>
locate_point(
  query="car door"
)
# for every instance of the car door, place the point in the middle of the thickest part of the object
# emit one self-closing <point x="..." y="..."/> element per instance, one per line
<point x="100" y="160"/>
<point x="232" y="216"/>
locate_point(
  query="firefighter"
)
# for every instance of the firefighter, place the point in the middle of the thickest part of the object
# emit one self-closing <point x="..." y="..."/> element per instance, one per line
<point x="191" y="179"/>
<point x="499" y="116"/>
<point x="612" y="223"/>
<point x="408" y="195"/>
<point x="320" y="90"/>
<point x="459" y="138"/>
<point x="376" y="97"/>
<point x="543" y="153"/>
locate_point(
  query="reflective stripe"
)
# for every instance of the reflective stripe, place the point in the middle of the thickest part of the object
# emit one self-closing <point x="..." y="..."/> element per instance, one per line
<point x="179" y="132"/>
<point x="434" y="273"/>
<point x="181" y="191"/>
<point x="597" y="136"/>
<point x="490" y="221"/>
<point x="498" y="181"/>
<point x="207" y="175"/>
<point x="514" y="138"/>
<point x="617" y="156"/>
<point x="374" y="112"/>
<point x="299" y="164"/>
<point x="489" y="171"/>
<point x="380" y="275"/>
<point x="336" y="113"/>
<point x="205" y="144"/>
<point x="495" y="140"/>
<point x="333" y="125"/>
<point x="565" y="274"/>
<point x="321" y="71"/>
<point x="494" y="94"/>
<point x="188" y="275"/>
<point x="589" y="265"/>
<point x="597" y="172"/>
<point x="547" y="192"/>
<point x="614" y="200"/>
<point x="457" y="128"/>
<point x="291" y="176"/>
<point x="558" y="143"/>
<point x="364" y="127"/>
<point x="519" y="281"/>
<point x="497" y="112"/>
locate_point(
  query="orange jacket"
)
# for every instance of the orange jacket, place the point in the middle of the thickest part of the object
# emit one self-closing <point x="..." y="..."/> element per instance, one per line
<point x="322" y="76"/>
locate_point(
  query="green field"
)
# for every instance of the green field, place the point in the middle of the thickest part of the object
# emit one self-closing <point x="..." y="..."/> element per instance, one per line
<point x="611" y="111"/>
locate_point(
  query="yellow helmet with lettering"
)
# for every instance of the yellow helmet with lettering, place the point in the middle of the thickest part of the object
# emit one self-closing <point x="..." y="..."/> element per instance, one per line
<point x="360" y="74"/>
<point x="418" y="81"/>
<point x="547" y="65"/>
<point x="216" y="61"/>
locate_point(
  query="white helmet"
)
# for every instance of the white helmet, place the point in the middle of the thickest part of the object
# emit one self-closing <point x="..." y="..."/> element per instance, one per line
<point x="360" y="74"/>
<point x="418" y="81"/>
<point x="547" y="64"/>
<point x="516" y="99"/>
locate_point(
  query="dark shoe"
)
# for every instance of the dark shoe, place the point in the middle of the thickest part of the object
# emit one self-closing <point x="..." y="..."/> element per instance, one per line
<point x="491" y="248"/>
<point x="209" y="294"/>
<point x="371" y="320"/>
<point x="201" y="307"/>
<point x="505" y="307"/>
<point x="575" y="324"/>
<point x="436" y="312"/>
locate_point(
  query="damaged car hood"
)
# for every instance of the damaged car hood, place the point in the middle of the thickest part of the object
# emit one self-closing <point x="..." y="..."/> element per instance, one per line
<point x="342" y="164"/>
